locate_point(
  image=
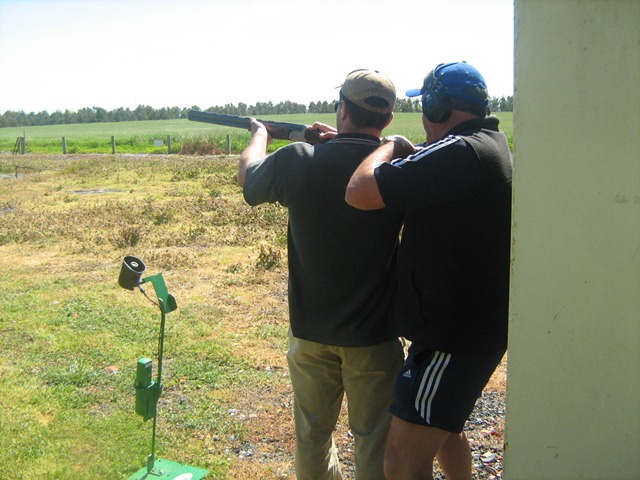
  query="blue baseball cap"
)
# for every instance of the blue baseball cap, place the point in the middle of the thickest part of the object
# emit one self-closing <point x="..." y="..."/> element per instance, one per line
<point x="457" y="80"/>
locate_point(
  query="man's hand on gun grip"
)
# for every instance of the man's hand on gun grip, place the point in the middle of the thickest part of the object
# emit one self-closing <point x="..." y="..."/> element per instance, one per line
<point x="326" y="132"/>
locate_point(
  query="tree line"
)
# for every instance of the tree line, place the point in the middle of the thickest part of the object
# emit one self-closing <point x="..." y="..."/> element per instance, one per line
<point x="144" y="112"/>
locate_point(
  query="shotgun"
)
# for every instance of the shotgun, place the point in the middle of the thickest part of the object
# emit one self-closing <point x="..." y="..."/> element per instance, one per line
<point x="281" y="130"/>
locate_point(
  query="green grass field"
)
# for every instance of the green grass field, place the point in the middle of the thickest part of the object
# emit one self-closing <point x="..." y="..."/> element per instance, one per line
<point x="186" y="136"/>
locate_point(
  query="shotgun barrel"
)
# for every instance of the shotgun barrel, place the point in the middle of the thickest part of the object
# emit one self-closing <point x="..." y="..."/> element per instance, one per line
<point x="295" y="132"/>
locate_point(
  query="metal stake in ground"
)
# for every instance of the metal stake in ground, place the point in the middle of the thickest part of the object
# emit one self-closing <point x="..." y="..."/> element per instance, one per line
<point x="147" y="391"/>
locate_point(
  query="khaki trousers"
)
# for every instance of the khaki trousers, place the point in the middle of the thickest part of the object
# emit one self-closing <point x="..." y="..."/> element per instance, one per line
<point x="321" y="375"/>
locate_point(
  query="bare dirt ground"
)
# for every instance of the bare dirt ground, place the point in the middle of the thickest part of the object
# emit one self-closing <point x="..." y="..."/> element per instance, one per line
<point x="267" y="451"/>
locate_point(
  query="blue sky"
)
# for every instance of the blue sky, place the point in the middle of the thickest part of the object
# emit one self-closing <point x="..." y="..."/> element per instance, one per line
<point x="70" y="54"/>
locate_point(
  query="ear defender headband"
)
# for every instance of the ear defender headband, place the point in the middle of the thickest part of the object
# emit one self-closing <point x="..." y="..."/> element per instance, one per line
<point x="436" y="105"/>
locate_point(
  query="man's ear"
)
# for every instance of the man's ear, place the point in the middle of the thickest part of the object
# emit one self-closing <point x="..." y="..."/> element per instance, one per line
<point x="344" y="111"/>
<point x="390" y="120"/>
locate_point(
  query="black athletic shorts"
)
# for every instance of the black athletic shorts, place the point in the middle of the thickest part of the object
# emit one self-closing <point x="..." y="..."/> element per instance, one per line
<point x="438" y="389"/>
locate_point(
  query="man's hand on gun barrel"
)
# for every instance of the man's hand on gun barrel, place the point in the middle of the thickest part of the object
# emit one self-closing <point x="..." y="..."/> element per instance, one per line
<point x="258" y="128"/>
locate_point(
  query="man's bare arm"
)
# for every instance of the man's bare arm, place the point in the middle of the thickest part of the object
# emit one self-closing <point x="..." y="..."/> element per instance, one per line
<point x="256" y="151"/>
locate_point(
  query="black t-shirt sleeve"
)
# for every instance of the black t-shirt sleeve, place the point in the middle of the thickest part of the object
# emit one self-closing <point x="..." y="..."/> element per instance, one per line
<point x="441" y="174"/>
<point x="267" y="181"/>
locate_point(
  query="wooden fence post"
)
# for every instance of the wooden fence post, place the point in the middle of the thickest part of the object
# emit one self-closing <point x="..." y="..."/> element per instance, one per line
<point x="64" y="145"/>
<point x="169" y="144"/>
<point x="23" y="145"/>
<point x="228" y="144"/>
<point x="113" y="144"/>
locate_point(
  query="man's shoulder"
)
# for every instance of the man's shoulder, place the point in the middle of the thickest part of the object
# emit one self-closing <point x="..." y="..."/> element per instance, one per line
<point x="443" y="149"/>
<point x="298" y="148"/>
<point x="292" y="154"/>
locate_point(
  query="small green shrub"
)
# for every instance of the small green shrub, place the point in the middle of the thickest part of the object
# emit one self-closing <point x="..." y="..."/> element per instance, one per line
<point x="269" y="257"/>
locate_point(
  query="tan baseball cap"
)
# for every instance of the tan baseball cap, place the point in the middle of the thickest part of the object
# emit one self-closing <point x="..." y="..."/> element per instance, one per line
<point x="370" y="90"/>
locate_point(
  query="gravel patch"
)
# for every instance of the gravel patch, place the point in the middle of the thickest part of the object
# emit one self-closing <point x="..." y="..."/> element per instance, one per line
<point x="274" y="445"/>
<point x="485" y="431"/>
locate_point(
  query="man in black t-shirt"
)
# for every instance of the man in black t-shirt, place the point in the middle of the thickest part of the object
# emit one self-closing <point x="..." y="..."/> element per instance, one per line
<point x="342" y="272"/>
<point x="454" y="263"/>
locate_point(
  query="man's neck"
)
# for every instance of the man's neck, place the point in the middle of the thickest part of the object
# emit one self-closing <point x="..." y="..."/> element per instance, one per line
<point x="347" y="127"/>
<point x="437" y="131"/>
<point x="370" y="132"/>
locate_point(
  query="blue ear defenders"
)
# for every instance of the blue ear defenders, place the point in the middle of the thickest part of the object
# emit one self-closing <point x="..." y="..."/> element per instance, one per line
<point x="436" y="105"/>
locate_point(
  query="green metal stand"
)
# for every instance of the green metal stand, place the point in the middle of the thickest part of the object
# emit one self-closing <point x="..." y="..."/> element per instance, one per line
<point x="148" y="393"/>
<point x="165" y="469"/>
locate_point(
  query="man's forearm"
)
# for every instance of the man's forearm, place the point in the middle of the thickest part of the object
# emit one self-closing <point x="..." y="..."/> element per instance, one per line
<point x="363" y="192"/>
<point x="256" y="151"/>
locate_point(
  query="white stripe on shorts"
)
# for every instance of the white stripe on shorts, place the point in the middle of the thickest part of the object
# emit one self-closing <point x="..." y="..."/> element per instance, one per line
<point x="429" y="384"/>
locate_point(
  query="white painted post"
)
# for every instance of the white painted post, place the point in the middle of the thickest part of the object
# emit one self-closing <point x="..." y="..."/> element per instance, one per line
<point x="573" y="380"/>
